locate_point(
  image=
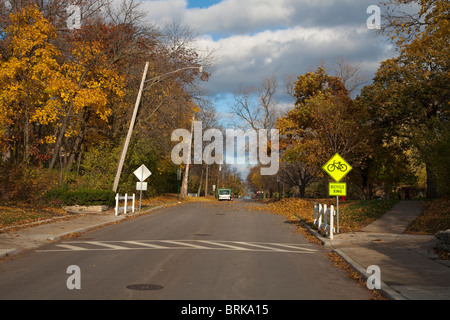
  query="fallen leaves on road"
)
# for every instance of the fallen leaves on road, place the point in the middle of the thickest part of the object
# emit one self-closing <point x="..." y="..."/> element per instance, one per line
<point x="292" y="208"/>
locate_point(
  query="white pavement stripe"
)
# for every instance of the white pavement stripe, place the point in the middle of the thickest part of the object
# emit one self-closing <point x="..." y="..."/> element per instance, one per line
<point x="145" y="244"/>
<point x="184" y="244"/>
<point x="106" y="245"/>
<point x="296" y="247"/>
<point x="68" y="246"/>
<point x="260" y="246"/>
<point x="224" y="245"/>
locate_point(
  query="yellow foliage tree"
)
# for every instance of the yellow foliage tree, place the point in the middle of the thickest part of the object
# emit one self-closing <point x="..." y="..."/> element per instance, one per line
<point x="90" y="87"/>
<point x="28" y="76"/>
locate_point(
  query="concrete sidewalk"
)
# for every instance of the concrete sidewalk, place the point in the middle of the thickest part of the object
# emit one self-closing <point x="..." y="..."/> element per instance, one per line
<point x="410" y="270"/>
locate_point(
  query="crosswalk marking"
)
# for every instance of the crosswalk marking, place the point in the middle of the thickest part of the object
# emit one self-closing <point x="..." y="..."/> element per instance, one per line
<point x="291" y="246"/>
<point x="106" y="245"/>
<point x="183" y="243"/>
<point x="260" y="246"/>
<point x="145" y="244"/>
<point x="224" y="245"/>
<point x="180" y="245"/>
<point x="70" y="247"/>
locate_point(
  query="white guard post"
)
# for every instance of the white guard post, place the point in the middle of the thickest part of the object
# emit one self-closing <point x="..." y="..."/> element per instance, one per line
<point x="321" y="211"/>
<point x="125" y="207"/>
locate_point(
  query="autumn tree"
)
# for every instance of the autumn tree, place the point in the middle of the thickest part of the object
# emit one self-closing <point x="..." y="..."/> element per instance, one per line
<point x="409" y="96"/>
<point x="67" y="95"/>
<point x="30" y="79"/>
<point x="325" y="121"/>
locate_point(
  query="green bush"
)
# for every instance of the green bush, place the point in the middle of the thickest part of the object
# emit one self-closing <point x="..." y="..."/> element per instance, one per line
<point x="82" y="197"/>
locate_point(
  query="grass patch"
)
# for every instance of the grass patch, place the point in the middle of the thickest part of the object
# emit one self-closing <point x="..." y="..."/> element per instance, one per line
<point x="434" y="218"/>
<point x="357" y="214"/>
<point x="353" y="215"/>
<point x="12" y="215"/>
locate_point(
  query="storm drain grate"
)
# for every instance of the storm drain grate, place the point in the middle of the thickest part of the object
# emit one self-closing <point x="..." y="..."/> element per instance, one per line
<point x="144" y="287"/>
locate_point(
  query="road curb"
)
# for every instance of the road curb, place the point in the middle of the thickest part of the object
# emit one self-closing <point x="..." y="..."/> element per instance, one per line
<point x="7" y="252"/>
<point x="386" y="290"/>
<point x="324" y="241"/>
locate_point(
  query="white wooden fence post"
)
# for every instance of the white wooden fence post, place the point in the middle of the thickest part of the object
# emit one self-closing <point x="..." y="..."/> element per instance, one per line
<point x="324" y="219"/>
<point x="319" y="222"/>
<point x="331" y="222"/>
<point x="316" y="212"/>
<point x="117" y="204"/>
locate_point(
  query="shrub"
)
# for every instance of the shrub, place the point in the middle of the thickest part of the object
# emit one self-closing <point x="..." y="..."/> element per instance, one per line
<point x="81" y="197"/>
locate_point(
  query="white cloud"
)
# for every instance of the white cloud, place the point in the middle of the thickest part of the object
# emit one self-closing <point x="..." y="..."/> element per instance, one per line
<point x="238" y="16"/>
<point x="161" y="12"/>
<point x="246" y="59"/>
<point x="255" y="38"/>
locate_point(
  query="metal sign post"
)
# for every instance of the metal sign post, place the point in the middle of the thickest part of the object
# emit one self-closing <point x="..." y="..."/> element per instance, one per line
<point x="337" y="214"/>
<point x="337" y="168"/>
<point x="142" y="173"/>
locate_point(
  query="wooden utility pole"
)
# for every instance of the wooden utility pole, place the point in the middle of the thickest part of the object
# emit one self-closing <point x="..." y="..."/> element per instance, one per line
<point x="130" y="130"/>
<point x="184" y="186"/>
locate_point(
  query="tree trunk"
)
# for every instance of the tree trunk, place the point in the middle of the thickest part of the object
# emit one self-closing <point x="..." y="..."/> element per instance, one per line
<point x="60" y="137"/>
<point x="302" y="188"/>
<point x="65" y="122"/>
<point x="200" y="185"/>
<point x="432" y="186"/>
<point x="206" y="180"/>
<point x="26" y="137"/>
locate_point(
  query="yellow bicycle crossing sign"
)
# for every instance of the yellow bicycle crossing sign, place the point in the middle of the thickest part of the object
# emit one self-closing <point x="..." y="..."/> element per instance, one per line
<point x="337" y="167"/>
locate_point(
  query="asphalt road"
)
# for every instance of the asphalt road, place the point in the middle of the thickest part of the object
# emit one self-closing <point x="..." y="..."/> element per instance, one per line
<point x="198" y="251"/>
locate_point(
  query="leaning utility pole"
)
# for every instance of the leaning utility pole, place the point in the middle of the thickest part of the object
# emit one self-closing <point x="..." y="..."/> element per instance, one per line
<point x="130" y="130"/>
<point x="184" y="186"/>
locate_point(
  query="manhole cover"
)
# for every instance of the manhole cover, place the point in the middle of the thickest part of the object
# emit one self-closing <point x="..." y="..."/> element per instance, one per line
<point x="144" y="287"/>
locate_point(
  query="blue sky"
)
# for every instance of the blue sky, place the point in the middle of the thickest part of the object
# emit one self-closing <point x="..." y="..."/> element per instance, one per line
<point x="201" y="3"/>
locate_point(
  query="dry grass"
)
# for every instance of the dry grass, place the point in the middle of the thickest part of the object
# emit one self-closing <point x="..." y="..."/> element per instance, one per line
<point x="12" y="215"/>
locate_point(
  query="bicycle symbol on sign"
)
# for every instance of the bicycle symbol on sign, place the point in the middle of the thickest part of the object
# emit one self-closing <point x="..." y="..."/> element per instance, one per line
<point x="337" y="165"/>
